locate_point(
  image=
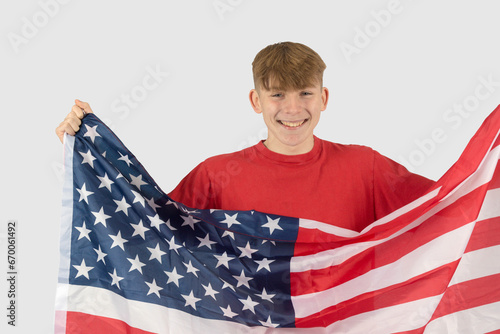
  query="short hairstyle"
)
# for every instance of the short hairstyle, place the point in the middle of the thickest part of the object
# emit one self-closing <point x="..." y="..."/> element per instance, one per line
<point x="287" y="66"/>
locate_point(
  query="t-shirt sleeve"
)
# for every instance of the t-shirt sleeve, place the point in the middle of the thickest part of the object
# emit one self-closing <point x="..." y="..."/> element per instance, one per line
<point x="394" y="186"/>
<point x="195" y="189"/>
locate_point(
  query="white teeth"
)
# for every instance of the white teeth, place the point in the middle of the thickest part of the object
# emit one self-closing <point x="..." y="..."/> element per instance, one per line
<point x="292" y="124"/>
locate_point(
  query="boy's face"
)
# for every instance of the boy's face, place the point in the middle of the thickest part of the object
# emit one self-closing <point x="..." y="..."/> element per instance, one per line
<point x="290" y="116"/>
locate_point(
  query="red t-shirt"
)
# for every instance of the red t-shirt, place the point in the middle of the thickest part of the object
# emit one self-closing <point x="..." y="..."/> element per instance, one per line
<point x="349" y="186"/>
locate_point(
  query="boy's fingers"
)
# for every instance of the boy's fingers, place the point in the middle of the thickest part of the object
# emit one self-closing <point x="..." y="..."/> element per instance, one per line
<point x="84" y="106"/>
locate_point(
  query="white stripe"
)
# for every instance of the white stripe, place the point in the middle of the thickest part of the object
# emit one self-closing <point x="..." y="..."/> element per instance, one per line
<point x="438" y="252"/>
<point x="482" y="319"/>
<point x="491" y="205"/>
<point x="399" y="318"/>
<point x="477" y="264"/>
<point x="159" y="319"/>
<point x="337" y="256"/>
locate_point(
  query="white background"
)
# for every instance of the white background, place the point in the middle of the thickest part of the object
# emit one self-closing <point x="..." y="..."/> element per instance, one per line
<point x="410" y="68"/>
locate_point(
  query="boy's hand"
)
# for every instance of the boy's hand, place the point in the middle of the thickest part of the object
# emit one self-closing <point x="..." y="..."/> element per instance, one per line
<point x="73" y="120"/>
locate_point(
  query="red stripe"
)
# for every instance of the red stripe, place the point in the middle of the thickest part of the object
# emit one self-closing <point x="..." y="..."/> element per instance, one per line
<point x="77" y="322"/>
<point x="461" y="212"/>
<point x="426" y="285"/>
<point x="486" y="234"/>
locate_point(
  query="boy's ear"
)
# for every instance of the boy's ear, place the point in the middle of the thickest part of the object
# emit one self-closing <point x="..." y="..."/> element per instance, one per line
<point x="255" y="101"/>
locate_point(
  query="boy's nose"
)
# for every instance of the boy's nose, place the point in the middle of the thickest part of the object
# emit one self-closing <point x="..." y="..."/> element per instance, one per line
<point x="293" y="104"/>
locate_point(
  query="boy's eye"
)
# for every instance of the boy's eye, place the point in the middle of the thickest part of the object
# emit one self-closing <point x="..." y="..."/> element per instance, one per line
<point x="277" y="95"/>
<point x="306" y="93"/>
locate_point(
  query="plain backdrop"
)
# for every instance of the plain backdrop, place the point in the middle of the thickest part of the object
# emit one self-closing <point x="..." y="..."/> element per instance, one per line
<point x="412" y="79"/>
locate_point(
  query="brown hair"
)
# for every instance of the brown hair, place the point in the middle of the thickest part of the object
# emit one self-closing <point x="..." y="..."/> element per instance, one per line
<point x="286" y="66"/>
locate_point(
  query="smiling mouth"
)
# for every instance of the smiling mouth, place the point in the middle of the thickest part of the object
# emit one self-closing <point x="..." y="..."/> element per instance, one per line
<point x="292" y="124"/>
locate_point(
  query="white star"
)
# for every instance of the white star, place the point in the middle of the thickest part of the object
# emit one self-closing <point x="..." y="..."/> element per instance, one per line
<point x="209" y="291"/>
<point x="122" y="205"/>
<point x="83" y="269"/>
<point x="206" y="242"/>
<point x="139" y="229"/>
<point x="271" y="241"/>
<point x="248" y="304"/>
<point x="264" y="295"/>
<point x="118" y="240"/>
<point x="227" y="285"/>
<point x="228" y="234"/>
<point x="227" y="312"/>
<point x="247" y="251"/>
<point x="156" y="221"/>
<point x="230" y="220"/>
<point x="104" y="154"/>
<point x="91" y="132"/>
<point x="191" y="269"/>
<point x="137" y="181"/>
<point x="105" y="181"/>
<point x="136" y="264"/>
<point x="100" y="255"/>
<point x="138" y="198"/>
<point x="153" y="288"/>
<point x="100" y="217"/>
<point x="223" y="260"/>
<point x="272" y="224"/>
<point x="242" y="279"/>
<point x="125" y="158"/>
<point x="116" y="279"/>
<point x="88" y="158"/>
<point x="189" y="221"/>
<point x="173" y="246"/>
<point x="169" y="225"/>
<point x="156" y="253"/>
<point x="84" y="232"/>
<point x="152" y="203"/>
<point x="173" y="276"/>
<point x="268" y="323"/>
<point x="84" y="194"/>
<point x="191" y="300"/>
<point x="264" y="264"/>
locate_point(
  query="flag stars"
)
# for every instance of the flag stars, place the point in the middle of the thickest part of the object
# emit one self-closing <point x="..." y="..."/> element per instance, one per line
<point x="153" y="288"/>
<point x="247" y="251"/>
<point x="100" y="217"/>
<point x="173" y="276"/>
<point x="118" y="240"/>
<point x="242" y="279"/>
<point x="84" y="232"/>
<point x="84" y="193"/>
<point x="125" y="158"/>
<point x="122" y="205"/>
<point x="248" y="304"/>
<point x="189" y="221"/>
<point x="137" y="181"/>
<point x="88" y="158"/>
<point x="152" y="204"/>
<point x="83" y="270"/>
<point x="209" y="291"/>
<point x="138" y="198"/>
<point x="191" y="269"/>
<point x="268" y="323"/>
<point x="156" y="253"/>
<point x="228" y="312"/>
<point x="265" y="296"/>
<point x="139" y="229"/>
<point x="155" y="221"/>
<point x="264" y="264"/>
<point x="100" y="254"/>
<point x="91" y="132"/>
<point x="272" y="225"/>
<point x="105" y="181"/>
<point x="230" y="220"/>
<point x="115" y="279"/>
<point x="223" y="260"/>
<point x="136" y="264"/>
<point x="206" y="242"/>
<point x="173" y="246"/>
<point x="191" y="300"/>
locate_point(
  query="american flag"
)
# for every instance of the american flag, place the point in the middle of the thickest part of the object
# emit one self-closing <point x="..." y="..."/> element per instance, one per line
<point x="135" y="261"/>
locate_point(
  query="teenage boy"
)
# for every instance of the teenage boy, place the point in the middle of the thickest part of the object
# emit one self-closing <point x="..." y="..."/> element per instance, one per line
<point x="292" y="172"/>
